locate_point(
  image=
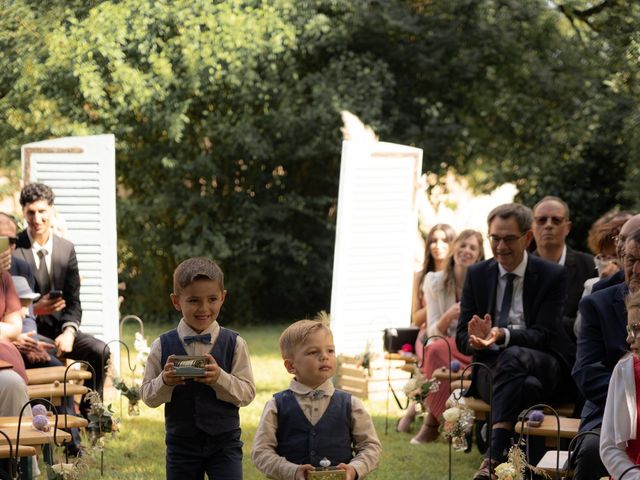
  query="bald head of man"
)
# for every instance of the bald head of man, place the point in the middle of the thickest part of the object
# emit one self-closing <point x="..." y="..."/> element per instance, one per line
<point x="627" y="229"/>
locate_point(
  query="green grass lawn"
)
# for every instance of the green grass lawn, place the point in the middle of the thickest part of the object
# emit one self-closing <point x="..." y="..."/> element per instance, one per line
<point x="137" y="451"/>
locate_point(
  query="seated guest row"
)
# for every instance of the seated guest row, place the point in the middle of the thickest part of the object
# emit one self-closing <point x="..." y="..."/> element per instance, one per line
<point x="517" y="315"/>
<point x="48" y="265"/>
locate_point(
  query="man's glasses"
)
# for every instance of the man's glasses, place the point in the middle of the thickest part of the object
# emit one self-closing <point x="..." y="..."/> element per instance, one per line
<point x="542" y="220"/>
<point x="508" y="239"/>
<point x="633" y="330"/>
<point x="630" y="261"/>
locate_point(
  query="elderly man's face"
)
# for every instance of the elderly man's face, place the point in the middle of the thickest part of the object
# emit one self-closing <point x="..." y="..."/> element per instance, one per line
<point x="627" y="229"/>
<point x="550" y="226"/>
<point x="632" y="265"/>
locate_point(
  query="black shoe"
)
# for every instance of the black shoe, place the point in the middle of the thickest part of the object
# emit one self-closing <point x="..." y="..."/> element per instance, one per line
<point x="75" y="450"/>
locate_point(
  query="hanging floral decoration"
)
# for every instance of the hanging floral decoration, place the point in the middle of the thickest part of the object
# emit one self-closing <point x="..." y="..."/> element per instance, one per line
<point x="143" y="349"/>
<point x="418" y="388"/>
<point x="457" y="424"/>
<point x="516" y="466"/>
<point x="101" y="420"/>
<point x="67" y="471"/>
<point x="132" y="392"/>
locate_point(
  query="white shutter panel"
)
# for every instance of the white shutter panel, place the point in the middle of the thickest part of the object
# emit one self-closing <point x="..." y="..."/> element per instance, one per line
<point x="81" y="172"/>
<point x="375" y="237"/>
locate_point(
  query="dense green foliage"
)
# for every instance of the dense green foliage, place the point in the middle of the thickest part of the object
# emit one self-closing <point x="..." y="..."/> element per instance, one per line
<point x="226" y="116"/>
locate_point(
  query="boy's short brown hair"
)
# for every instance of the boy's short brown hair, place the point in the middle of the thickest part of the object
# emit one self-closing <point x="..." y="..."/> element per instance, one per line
<point x="196" y="268"/>
<point x="296" y="333"/>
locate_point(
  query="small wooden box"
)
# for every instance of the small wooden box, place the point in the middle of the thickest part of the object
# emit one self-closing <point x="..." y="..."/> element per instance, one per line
<point x="372" y="383"/>
<point x="330" y="473"/>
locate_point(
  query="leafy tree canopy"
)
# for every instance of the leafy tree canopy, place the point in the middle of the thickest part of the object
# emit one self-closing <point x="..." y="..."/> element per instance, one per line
<point x="226" y="116"/>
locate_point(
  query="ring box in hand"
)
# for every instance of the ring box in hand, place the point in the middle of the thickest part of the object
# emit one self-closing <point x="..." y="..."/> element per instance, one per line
<point x="189" y="366"/>
<point x="329" y="473"/>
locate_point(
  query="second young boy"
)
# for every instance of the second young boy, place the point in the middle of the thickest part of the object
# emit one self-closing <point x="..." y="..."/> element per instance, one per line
<point x="311" y="420"/>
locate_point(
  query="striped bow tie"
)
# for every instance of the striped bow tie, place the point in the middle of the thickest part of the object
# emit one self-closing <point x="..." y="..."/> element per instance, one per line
<point x="206" y="338"/>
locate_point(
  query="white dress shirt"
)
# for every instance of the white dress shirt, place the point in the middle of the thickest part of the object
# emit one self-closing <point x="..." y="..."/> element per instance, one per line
<point x="516" y="312"/>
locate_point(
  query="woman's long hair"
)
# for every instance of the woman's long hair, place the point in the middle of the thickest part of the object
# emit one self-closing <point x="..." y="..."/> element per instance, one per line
<point x="449" y="277"/>
<point x="450" y="234"/>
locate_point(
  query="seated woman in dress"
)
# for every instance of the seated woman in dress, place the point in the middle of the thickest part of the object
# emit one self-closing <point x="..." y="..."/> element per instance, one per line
<point x="443" y="290"/>
<point x="438" y="242"/>
<point x="619" y="442"/>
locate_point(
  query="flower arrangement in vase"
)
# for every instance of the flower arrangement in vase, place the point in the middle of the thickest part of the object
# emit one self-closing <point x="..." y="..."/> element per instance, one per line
<point x="418" y="388"/>
<point x="516" y="466"/>
<point x="458" y="421"/>
<point x="132" y="392"/>
<point x="101" y="419"/>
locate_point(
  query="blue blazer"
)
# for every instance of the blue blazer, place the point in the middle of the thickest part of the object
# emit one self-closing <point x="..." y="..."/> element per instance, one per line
<point x="609" y="281"/>
<point x="543" y="295"/>
<point x="601" y="343"/>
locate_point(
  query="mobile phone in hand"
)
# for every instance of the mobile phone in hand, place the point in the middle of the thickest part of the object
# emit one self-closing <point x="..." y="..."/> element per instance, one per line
<point x="55" y="294"/>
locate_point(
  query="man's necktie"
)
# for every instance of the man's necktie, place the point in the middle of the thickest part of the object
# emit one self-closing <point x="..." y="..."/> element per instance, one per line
<point x="42" y="273"/>
<point x="503" y="321"/>
<point x="206" y="338"/>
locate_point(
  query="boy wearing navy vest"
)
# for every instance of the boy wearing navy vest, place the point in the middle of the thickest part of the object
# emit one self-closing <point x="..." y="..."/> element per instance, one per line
<point x="311" y="420"/>
<point x="201" y="414"/>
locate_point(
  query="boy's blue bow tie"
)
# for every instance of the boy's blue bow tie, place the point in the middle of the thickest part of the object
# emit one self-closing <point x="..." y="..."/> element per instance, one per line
<point x="316" y="394"/>
<point x="206" y="338"/>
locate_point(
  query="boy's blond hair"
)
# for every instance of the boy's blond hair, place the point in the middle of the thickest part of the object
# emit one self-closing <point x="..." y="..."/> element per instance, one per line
<point x="196" y="268"/>
<point x="296" y="333"/>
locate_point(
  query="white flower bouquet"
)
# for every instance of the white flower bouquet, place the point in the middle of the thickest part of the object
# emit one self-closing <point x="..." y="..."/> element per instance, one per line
<point x="457" y="424"/>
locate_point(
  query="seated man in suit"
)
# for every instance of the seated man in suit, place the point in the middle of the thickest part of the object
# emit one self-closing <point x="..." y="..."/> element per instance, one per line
<point x="551" y="225"/>
<point x="601" y="343"/>
<point x="53" y="261"/>
<point x="510" y="319"/>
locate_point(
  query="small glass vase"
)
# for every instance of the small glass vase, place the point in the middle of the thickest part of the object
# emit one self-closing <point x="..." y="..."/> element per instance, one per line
<point x="459" y="444"/>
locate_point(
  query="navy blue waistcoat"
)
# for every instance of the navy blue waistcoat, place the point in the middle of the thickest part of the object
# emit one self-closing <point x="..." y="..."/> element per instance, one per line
<point x="301" y="442"/>
<point x="195" y="405"/>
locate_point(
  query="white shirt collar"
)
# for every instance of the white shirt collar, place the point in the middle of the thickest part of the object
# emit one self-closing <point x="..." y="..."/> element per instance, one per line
<point x="519" y="270"/>
<point x="302" y="389"/>
<point x="184" y="329"/>
<point x="563" y="257"/>
<point x="36" y="247"/>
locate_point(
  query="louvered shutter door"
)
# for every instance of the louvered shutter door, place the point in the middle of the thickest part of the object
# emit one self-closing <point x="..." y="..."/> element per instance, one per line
<point x="81" y="172"/>
<point x="375" y="243"/>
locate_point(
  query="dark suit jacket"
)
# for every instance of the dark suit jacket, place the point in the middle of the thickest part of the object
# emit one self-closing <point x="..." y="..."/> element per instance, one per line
<point x="609" y="281"/>
<point x="601" y="343"/>
<point x="64" y="276"/>
<point x="543" y="293"/>
<point x="580" y="267"/>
